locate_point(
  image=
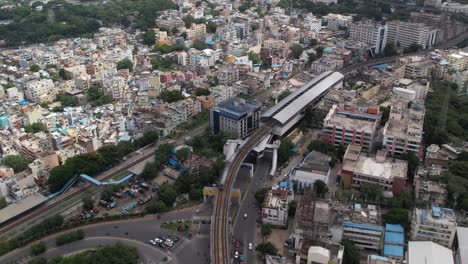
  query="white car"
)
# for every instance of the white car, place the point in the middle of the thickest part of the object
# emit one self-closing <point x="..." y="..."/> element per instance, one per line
<point x="250" y="246"/>
<point x="236" y="254"/>
<point x="152" y="242"/>
<point x="157" y="240"/>
<point x="245" y="215"/>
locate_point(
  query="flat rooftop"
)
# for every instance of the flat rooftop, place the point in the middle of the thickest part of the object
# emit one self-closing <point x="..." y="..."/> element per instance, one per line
<point x="387" y="169"/>
<point x="21" y="206"/>
<point x="462" y="234"/>
<point x="436" y="215"/>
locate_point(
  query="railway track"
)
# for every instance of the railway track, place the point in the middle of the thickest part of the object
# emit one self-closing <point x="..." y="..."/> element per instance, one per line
<point x="445" y="45"/>
<point x="221" y="214"/>
<point x="58" y="200"/>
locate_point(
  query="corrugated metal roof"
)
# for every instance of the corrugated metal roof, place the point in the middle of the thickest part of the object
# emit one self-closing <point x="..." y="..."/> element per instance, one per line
<point x="394" y="228"/>
<point x="396" y="238"/>
<point x="362" y="226"/>
<point x="392" y="250"/>
<point x="299" y="99"/>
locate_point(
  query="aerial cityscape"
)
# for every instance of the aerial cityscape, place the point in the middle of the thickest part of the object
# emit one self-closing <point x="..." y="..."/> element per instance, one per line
<point x="234" y="132"/>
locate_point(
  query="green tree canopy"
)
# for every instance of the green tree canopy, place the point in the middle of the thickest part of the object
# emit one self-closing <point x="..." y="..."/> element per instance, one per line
<point x="149" y="38"/>
<point x="202" y="91"/>
<point x="35" y="127"/>
<point x="125" y="64"/>
<point x="397" y="216"/>
<point x="266" y="249"/>
<point x="320" y="188"/>
<point x="296" y="50"/>
<point x="167" y="194"/>
<point x="38" y="248"/>
<point x="88" y="203"/>
<point x="3" y="203"/>
<point x="34" y="68"/>
<point x="199" y="45"/>
<point x="265" y="230"/>
<point x="351" y="253"/>
<point x="183" y="154"/>
<point x="171" y="96"/>
<point x="16" y="162"/>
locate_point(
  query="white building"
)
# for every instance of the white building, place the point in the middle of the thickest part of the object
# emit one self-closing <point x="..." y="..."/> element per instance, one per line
<point x="336" y="21"/>
<point x="315" y="166"/>
<point x="312" y="23"/>
<point x="371" y="33"/>
<point x="426" y="252"/>
<point x="458" y="60"/>
<point x="276" y="206"/>
<point x="436" y="224"/>
<point x="116" y="87"/>
<point x="40" y="91"/>
<point x="196" y="31"/>
<point x="404" y="34"/>
<point x="461" y="248"/>
<point x="404" y="129"/>
<point x="221" y="93"/>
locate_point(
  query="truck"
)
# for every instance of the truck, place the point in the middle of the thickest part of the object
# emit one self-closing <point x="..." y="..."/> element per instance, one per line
<point x="145" y="186"/>
<point x="144" y="199"/>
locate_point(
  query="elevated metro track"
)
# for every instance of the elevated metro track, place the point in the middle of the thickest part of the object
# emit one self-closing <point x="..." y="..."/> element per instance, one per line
<point x="369" y="63"/>
<point x="220" y="236"/>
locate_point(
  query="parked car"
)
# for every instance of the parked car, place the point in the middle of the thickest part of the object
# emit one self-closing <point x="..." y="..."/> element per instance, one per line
<point x="250" y="246"/>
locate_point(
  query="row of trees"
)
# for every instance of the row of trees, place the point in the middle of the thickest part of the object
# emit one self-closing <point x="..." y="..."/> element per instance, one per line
<point x="17" y="162"/>
<point x="118" y="253"/>
<point x="69" y="237"/>
<point x="93" y="163"/>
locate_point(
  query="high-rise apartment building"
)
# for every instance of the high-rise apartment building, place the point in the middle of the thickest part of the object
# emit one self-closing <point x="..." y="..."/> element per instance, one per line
<point x="404" y="34"/>
<point x="374" y="34"/>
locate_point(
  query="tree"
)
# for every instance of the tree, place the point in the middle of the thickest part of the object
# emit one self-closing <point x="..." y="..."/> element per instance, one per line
<point x="149" y="38"/>
<point x="319" y="52"/>
<point x="266" y="249"/>
<point x="125" y="148"/>
<point x="351" y="253"/>
<point x="255" y="58"/>
<point x="125" y="64"/>
<point x="149" y="137"/>
<point x="320" y="188"/>
<point x="188" y="20"/>
<point x="284" y="151"/>
<point x="16" y="162"/>
<point x="385" y="114"/>
<point x="202" y="91"/>
<point x="35" y="68"/>
<point x="265" y="230"/>
<point x="283" y="95"/>
<point x="171" y="96"/>
<point x="88" y="203"/>
<point x="389" y="50"/>
<point x="260" y="195"/>
<point x="150" y="171"/>
<point x="35" y="127"/>
<point x="413" y="163"/>
<point x="371" y="192"/>
<point x="65" y="100"/>
<point x="3" y="203"/>
<point x="211" y="27"/>
<point x="183" y="154"/>
<point x="167" y="194"/>
<point x="199" y="45"/>
<point x="292" y="208"/>
<point x="397" y="216"/>
<point x="156" y="207"/>
<point x="413" y="48"/>
<point x="296" y="50"/>
<point x="38" y="248"/>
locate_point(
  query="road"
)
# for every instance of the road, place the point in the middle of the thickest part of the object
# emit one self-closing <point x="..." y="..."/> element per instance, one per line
<point x="135" y="232"/>
<point x="140" y="156"/>
<point x="245" y="228"/>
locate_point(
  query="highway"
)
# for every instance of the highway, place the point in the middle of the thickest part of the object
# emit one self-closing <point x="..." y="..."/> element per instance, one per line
<point x="139" y="156"/>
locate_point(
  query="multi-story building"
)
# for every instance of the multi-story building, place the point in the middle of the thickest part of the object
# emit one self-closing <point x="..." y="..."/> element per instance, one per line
<point x="366" y="234"/>
<point x="374" y="34"/>
<point x="461" y="246"/>
<point x="337" y="21"/>
<point x="312" y="23"/>
<point x="221" y="93"/>
<point x="458" y="60"/>
<point x="326" y="64"/>
<point x="429" y="191"/>
<point x="404" y="129"/>
<point x="196" y="31"/>
<point x="346" y="125"/>
<point x="434" y="224"/>
<point x="40" y="91"/>
<point x="386" y="173"/>
<point x="447" y="28"/>
<point x="404" y="34"/>
<point x="235" y="116"/>
<point x="276" y="205"/>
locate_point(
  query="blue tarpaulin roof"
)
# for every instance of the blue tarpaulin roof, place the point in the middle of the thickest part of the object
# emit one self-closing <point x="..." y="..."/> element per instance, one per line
<point x="361" y="226"/>
<point x="392" y="250"/>
<point x="394" y="228"/>
<point x="395" y="238"/>
<point x="173" y="162"/>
